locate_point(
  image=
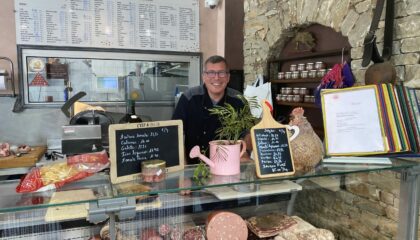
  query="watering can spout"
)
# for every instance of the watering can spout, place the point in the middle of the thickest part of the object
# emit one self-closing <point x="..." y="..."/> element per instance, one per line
<point x="195" y="152"/>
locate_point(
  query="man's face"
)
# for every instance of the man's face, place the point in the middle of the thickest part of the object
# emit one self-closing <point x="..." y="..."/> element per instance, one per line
<point x="216" y="78"/>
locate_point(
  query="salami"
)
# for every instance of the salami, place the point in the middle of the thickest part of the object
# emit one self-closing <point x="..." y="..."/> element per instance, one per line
<point x="149" y="234"/>
<point x="164" y="229"/>
<point x="175" y="234"/>
<point x="193" y="234"/>
<point x="226" y="225"/>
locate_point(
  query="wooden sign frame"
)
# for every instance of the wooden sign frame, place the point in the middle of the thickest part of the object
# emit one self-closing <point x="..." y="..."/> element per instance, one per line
<point x="113" y="151"/>
<point x="268" y="122"/>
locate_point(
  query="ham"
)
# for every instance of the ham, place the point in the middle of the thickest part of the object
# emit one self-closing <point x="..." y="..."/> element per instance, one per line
<point x="226" y="225"/>
<point x="4" y="149"/>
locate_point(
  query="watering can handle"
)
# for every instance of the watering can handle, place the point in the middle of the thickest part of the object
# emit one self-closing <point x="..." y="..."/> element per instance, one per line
<point x="243" y="148"/>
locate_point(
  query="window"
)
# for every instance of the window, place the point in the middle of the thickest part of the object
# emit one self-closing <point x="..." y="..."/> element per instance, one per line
<point x="106" y="77"/>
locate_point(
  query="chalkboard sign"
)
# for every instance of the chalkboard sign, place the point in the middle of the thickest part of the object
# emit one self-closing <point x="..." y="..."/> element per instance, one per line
<point x="271" y="146"/>
<point x="130" y="144"/>
<point x="273" y="152"/>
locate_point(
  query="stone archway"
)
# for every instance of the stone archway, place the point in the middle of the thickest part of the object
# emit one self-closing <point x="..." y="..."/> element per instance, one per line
<point x="269" y="24"/>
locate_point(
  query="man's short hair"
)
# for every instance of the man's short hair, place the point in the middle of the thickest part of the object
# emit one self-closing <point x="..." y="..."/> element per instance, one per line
<point x="216" y="59"/>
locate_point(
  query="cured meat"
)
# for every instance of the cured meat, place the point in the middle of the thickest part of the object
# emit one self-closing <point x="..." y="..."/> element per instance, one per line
<point x="4" y="149"/>
<point x="226" y="225"/>
<point x="164" y="229"/>
<point x="149" y="234"/>
<point x="193" y="234"/>
<point x="175" y="234"/>
<point x="269" y="225"/>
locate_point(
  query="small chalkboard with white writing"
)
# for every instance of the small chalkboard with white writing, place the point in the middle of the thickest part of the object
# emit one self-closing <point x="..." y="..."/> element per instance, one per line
<point x="271" y="146"/>
<point x="130" y="144"/>
<point x="273" y="152"/>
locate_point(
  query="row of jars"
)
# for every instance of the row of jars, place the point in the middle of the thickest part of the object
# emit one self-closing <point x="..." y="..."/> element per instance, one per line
<point x="302" y="74"/>
<point x="307" y="66"/>
<point x="296" y="91"/>
<point x="295" y="98"/>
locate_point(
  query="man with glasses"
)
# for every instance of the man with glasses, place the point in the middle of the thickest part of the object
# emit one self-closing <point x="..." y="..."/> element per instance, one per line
<point x="193" y="105"/>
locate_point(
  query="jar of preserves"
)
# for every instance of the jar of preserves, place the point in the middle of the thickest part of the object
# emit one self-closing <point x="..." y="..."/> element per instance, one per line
<point x="304" y="74"/>
<point x="289" y="98"/>
<point x="321" y="72"/>
<point x="312" y="73"/>
<point x="297" y="98"/>
<point x="280" y="75"/>
<point x="309" y="66"/>
<point x="287" y="75"/>
<point x="293" y="67"/>
<point x="278" y="97"/>
<point x="319" y="65"/>
<point x="282" y="90"/>
<point x="296" y="90"/>
<point x="283" y="98"/>
<point x="153" y="170"/>
<point x="295" y="74"/>
<point x="301" y="67"/>
<point x="303" y="91"/>
<point x="288" y="91"/>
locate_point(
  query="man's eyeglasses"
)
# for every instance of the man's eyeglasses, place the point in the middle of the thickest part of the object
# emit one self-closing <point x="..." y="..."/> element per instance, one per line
<point x="213" y="74"/>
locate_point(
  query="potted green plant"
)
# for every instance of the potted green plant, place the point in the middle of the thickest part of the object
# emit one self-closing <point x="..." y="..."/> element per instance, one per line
<point x="225" y="153"/>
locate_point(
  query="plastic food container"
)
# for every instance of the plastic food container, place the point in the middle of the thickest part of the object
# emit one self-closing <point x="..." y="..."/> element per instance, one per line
<point x="153" y="170"/>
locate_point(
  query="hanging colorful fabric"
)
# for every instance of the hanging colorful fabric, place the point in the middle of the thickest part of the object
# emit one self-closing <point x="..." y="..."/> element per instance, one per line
<point x="340" y="76"/>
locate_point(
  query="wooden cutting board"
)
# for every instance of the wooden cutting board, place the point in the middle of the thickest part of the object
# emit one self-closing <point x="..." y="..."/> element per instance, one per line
<point x="25" y="160"/>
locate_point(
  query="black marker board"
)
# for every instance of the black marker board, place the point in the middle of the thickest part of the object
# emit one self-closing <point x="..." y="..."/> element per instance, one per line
<point x="273" y="152"/>
<point x="130" y="144"/>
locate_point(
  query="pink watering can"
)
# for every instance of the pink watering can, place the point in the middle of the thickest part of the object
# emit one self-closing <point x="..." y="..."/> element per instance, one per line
<point x="224" y="159"/>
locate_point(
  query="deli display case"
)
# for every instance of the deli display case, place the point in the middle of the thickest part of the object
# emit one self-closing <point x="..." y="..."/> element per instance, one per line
<point x="359" y="201"/>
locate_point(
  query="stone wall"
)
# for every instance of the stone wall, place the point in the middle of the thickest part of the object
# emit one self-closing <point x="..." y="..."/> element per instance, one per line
<point x="367" y="209"/>
<point x="269" y="24"/>
<point x="366" y="206"/>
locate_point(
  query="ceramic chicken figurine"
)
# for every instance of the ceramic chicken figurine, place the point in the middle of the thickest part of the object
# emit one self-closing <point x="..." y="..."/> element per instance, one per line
<point x="307" y="147"/>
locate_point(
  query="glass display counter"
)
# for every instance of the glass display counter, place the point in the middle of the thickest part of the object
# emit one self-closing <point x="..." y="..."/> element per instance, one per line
<point x="343" y="198"/>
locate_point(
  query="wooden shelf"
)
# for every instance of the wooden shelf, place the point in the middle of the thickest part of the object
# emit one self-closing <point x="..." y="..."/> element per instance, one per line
<point x="297" y="104"/>
<point x="298" y="80"/>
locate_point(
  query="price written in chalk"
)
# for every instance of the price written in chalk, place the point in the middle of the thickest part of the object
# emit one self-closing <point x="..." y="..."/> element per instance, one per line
<point x="131" y="144"/>
<point x="139" y="146"/>
<point x="273" y="150"/>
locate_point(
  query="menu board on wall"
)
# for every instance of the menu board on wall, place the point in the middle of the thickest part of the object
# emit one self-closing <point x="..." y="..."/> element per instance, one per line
<point x="165" y="25"/>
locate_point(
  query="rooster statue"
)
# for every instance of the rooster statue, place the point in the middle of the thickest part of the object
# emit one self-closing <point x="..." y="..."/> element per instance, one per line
<point x="307" y="147"/>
